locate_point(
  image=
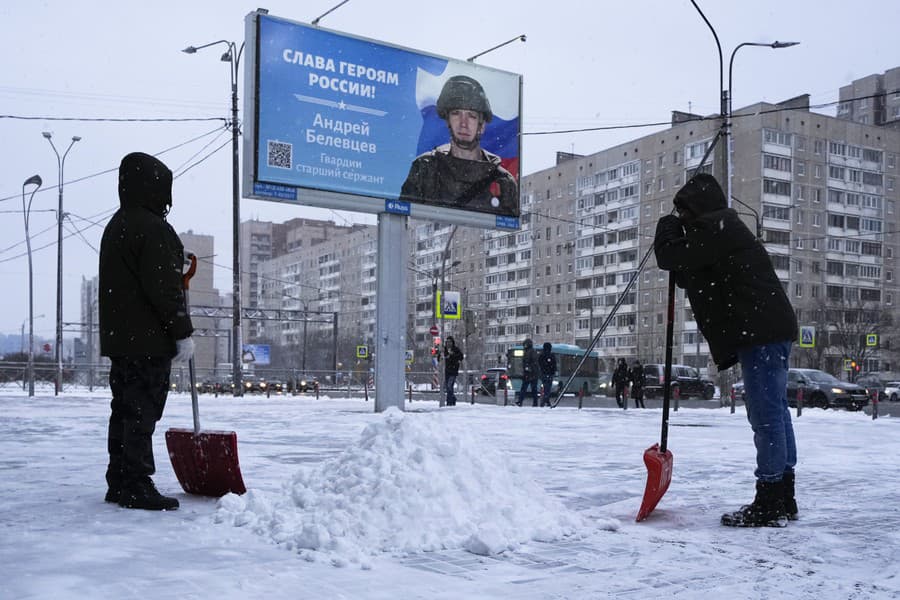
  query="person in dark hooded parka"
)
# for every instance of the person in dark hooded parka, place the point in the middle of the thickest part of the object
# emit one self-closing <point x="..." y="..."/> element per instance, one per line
<point x="144" y="325"/>
<point x="743" y="312"/>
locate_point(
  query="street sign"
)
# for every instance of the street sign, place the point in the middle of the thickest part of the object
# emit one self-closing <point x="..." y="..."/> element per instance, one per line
<point x="362" y="352"/>
<point x="871" y="339"/>
<point x="807" y="336"/>
<point x="409" y="356"/>
<point x="434" y="330"/>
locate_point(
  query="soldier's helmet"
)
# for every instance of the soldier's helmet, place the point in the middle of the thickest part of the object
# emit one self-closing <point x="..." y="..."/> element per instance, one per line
<point x="463" y="92"/>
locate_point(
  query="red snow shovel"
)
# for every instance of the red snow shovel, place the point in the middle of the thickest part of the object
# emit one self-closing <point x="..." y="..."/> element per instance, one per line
<point x="205" y="462"/>
<point x="657" y="457"/>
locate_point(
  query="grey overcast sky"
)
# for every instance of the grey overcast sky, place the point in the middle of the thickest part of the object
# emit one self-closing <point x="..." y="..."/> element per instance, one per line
<point x="585" y="64"/>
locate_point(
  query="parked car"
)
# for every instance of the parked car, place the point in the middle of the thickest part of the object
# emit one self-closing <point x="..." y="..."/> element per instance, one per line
<point x="686" y="382"/>
<point x="275" y="386"/>
<point x="874" y="386"/>
<point x="491" y="380"/>
<point x="824" y="390"/>
<point x="892" y="390"/>
<point x="737" y="392"/>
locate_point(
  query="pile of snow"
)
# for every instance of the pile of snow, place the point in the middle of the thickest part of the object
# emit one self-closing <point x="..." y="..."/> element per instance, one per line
<point x="409" y="484"/>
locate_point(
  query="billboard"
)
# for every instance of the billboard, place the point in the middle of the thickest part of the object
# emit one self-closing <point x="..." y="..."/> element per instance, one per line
<point x="343" y="122"/>
<point x="257" y="354"/>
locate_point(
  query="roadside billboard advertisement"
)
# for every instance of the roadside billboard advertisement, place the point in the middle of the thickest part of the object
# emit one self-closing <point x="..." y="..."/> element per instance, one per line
<point x="344" y="122"/>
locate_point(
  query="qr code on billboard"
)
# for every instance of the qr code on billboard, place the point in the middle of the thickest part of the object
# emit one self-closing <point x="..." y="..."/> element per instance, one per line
<point x="279" y="155"/>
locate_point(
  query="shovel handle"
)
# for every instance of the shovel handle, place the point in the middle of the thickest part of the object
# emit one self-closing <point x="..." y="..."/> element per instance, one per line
<point x="186" y="278"/>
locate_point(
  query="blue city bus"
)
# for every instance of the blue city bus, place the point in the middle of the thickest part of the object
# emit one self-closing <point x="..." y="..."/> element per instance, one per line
<point x="567" y="358"/>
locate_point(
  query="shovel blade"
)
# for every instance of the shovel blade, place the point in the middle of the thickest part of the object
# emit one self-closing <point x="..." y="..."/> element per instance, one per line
<point x="659" y="476"/>
<point x="206" y="463"/>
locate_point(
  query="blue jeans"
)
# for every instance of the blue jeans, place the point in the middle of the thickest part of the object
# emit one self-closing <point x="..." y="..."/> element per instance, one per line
<point x="449" y="383"/>
<point x="534" y="392"/>
<point x="765" y="383"/>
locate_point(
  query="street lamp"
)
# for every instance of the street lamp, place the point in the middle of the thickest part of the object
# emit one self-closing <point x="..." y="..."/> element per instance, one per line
<point x="729" y="135"/>
<point x="517" y="38"/>
<point x="61" y="164"/>
<point x="233" y="56"/>
<point x="36" y="181"/>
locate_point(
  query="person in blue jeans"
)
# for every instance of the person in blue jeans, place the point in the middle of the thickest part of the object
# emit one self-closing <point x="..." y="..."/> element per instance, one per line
<point x="530" y="372"/>
<point x="743" y="312"/>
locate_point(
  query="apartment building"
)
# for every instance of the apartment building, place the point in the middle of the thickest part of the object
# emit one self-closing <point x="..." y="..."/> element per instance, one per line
<point x="821" y="191"/>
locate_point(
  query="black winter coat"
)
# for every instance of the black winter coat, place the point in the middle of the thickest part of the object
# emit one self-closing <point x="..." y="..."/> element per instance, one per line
<point x="454" y="357"/>
<point x="530" y="366"/>
<point x="142" y="308"/>
<point x="735" y="294"/>
<point x="547" y="361"/>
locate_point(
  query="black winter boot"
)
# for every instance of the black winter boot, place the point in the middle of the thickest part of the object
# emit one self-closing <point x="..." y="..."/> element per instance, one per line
<point x="143" y="494"/>
<point x="790" y="504"/>
<point x="767" y="509"/>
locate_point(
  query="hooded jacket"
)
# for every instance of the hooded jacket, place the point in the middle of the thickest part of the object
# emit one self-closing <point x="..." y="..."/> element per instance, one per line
<point x="142" y="307"/>
<point x="736" y="296"/>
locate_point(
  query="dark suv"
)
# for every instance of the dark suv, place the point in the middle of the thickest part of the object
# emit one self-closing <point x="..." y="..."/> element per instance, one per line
<point x="686" y="382"/>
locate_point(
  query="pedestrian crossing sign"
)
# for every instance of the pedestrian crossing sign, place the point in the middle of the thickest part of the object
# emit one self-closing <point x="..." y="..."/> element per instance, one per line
<point x="807" y="336"/>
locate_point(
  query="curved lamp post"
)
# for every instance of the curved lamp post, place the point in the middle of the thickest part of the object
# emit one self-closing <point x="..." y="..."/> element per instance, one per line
<point x="729" y="135"/>
<point x="61" y="164"/>
<point x="36" y="181"/>
<point x="233" y="56"/>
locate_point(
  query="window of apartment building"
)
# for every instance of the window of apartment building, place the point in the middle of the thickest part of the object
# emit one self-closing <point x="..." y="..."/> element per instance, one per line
<point x="777" y="187"/>
<point x="661" y="160"/>
<point x="798" y="244"/>
<point x="871" y="155"/>
<point x="870" y="178"/>
<point x="888" y="298"/>
<point x="781" y="261"/>
<point x="800" y="193"/>
<point x="660" y="184"/>
<point x="837" y="148"/>
<point x="870" y="249"/>
<point x="870" y="225"/>
<point x="892" y="161"/>
<point x="834" y="292"/>
<point x="817" y="171"/>
<point x="780" y="238"/>
<point x="852" y="199"/>
<point x="816" y="219"/>
<point x="871" y="272"/>
<point x="772" y="136"/>
<point x="854" y="151"/>
<point x="818" y="146"/>
<point x="676" y="157"/>
<point x="801" y="168"/>
<point x="800" y="142"/>
<point x="648" y="188"/>
<point x="836" y="172"/>
<point x="817" y="195"/>
<point x="662" y="207"/>
<point x="778" y="213"/>
<point x="814" y="291"/>
<point x="815" y="244"/>
<point x="834" y="244"/>
<point x="891" y="184"/>
<point x="854" y="175"/>
<point x="870" y="295"/>
<point x="798" y="290"/>
<point x="777" y="163"/>
<point x="834" y="268"/>
<point x="835" y="220"/>
<point x="888" y="252"/>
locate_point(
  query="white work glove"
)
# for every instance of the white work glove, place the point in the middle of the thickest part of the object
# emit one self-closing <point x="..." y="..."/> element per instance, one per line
<point x="185" y="349"/>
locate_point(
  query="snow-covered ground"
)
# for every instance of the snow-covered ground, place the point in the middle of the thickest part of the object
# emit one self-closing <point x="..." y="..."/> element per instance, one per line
<point x="473" y="501"/>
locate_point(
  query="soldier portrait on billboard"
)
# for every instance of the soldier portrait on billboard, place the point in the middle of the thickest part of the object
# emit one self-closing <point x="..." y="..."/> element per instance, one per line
<point x="461" y="174"/>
